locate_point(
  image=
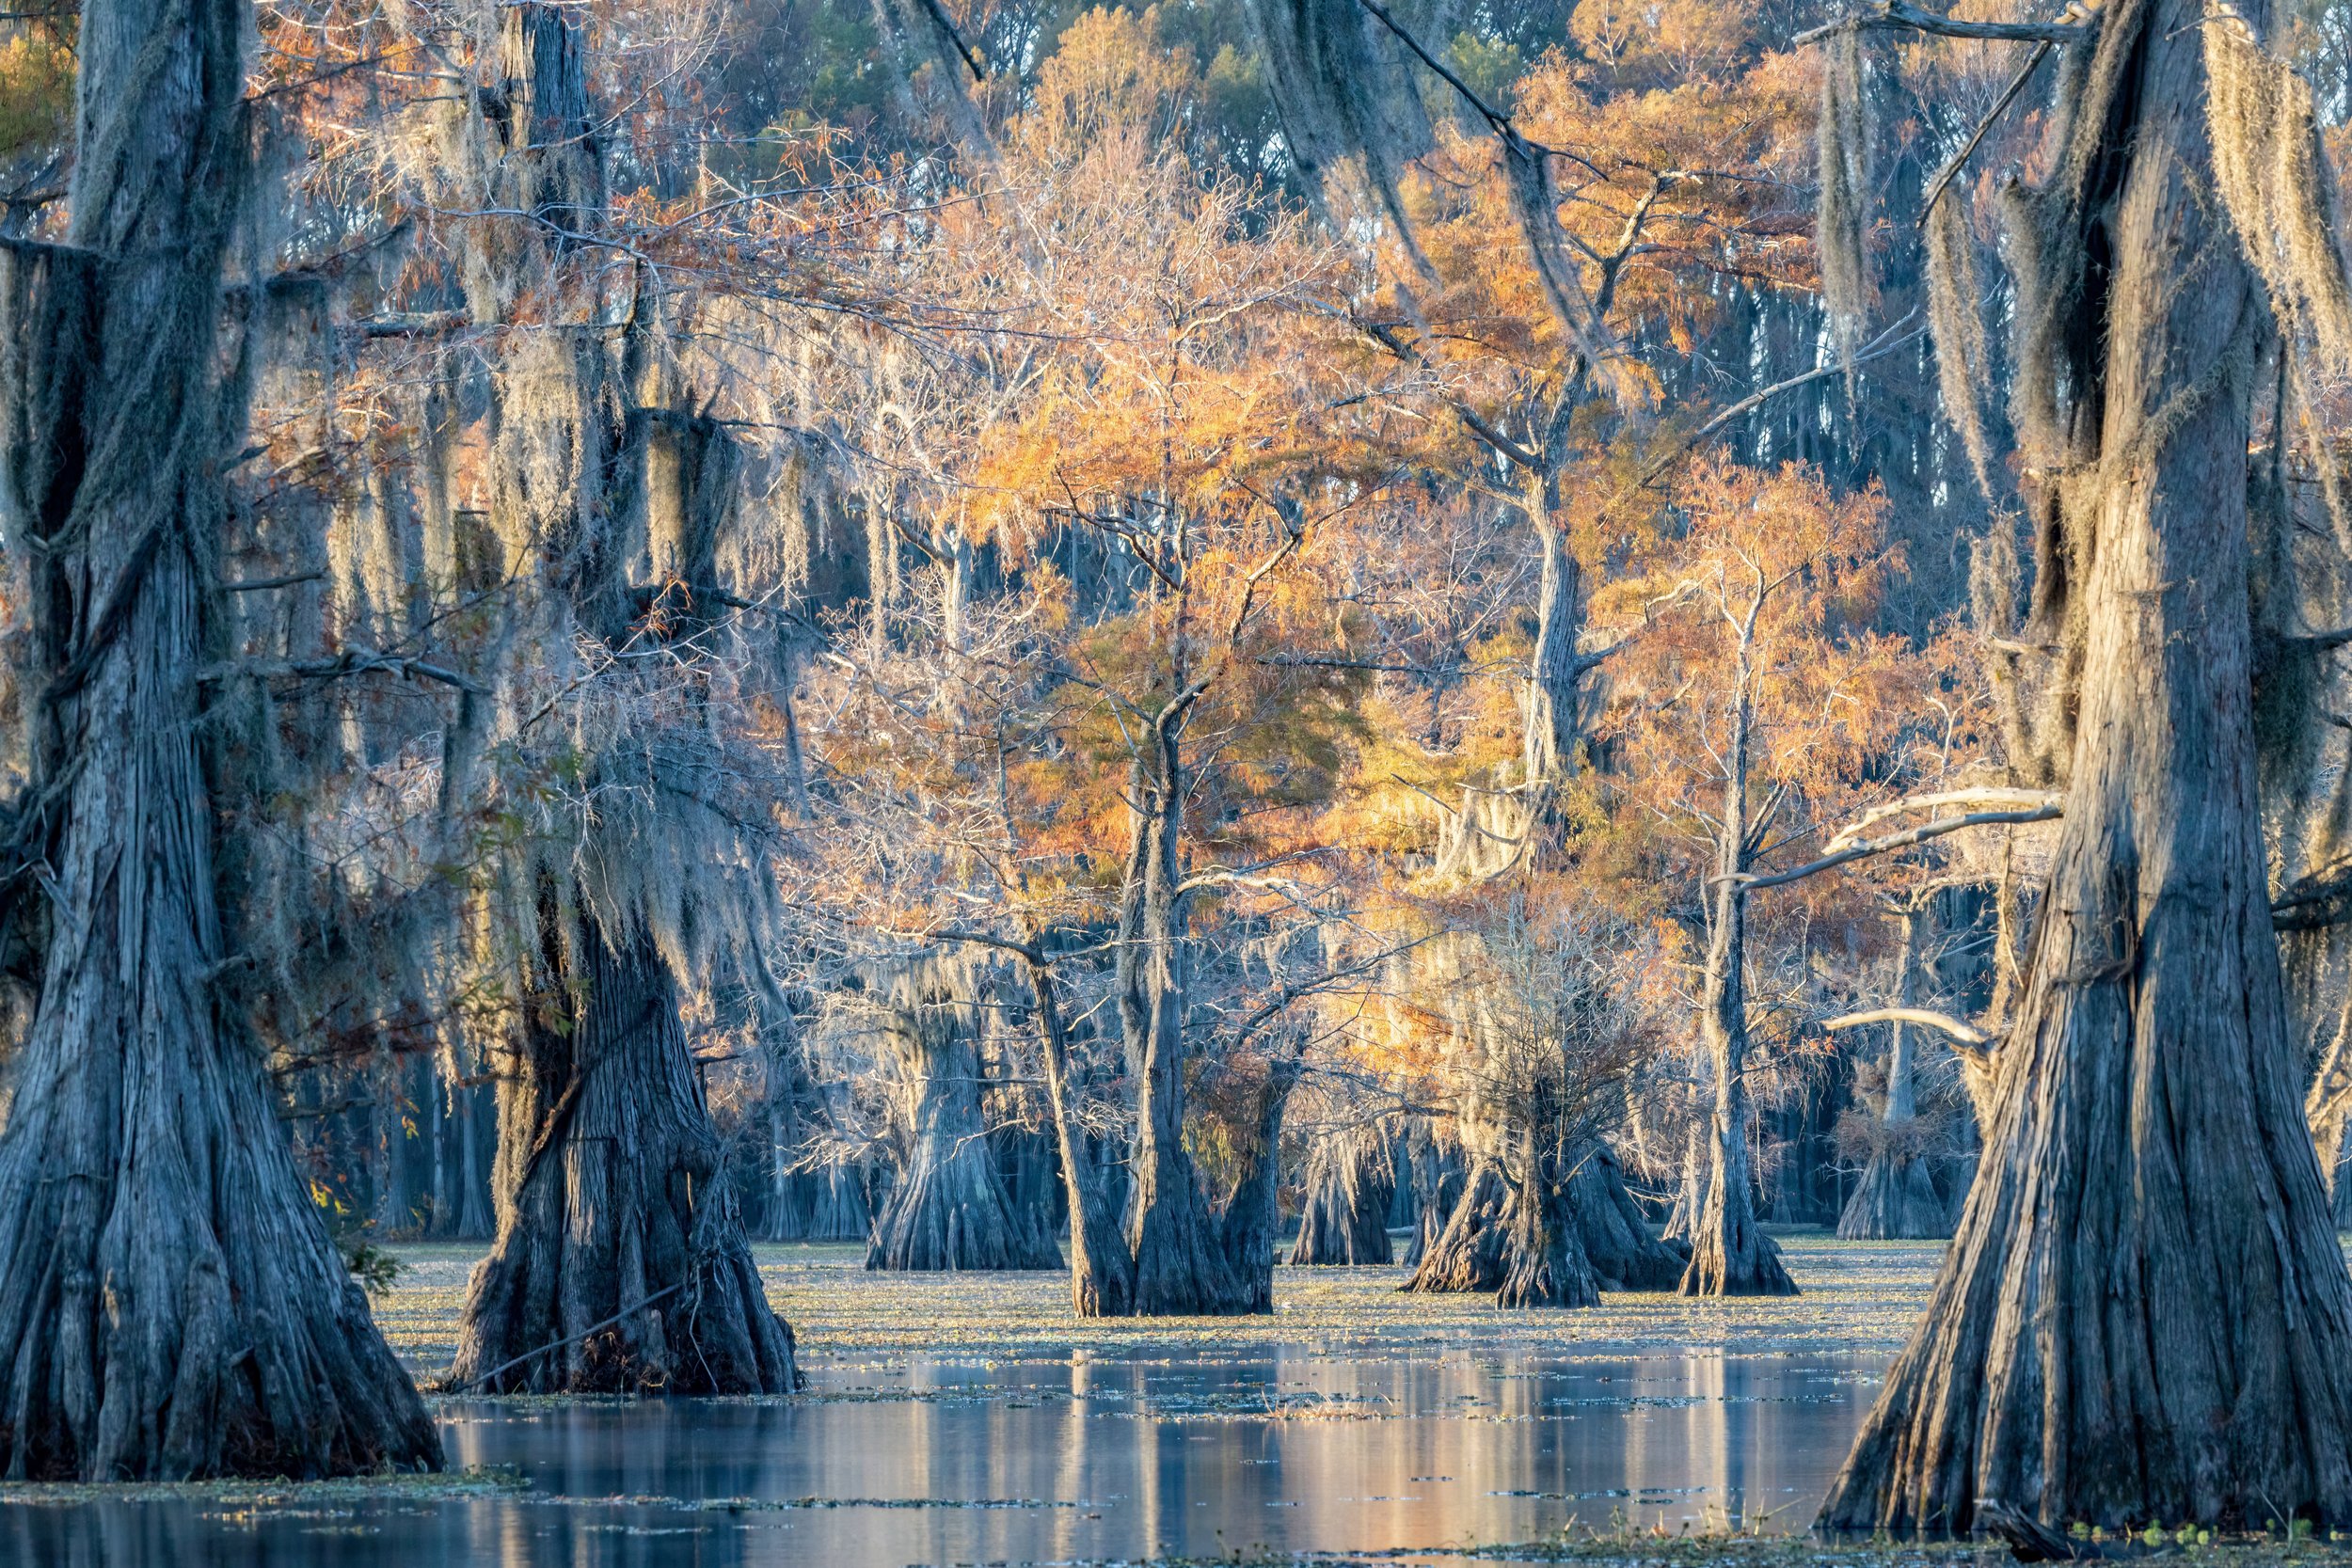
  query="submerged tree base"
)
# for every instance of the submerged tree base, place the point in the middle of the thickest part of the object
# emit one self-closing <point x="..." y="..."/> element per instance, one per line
<point x="621" y="1264"/>
<point x="1895" y="1201"/>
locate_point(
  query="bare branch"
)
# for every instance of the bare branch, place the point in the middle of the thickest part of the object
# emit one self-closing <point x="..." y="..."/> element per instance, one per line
<point x="2000" y="799"/>
<point x="1900" y="15"/>
<point x="1868" y="847"/>
<point x="1943" y="1022"/>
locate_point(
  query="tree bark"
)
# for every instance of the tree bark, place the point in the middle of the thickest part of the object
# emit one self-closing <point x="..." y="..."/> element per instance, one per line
<point x="1617" y="1241"/>
<point x="1895" y="1199"/>
<point x="1250" y="1219"/>
<point x="1730" y="1254"/>
<point x="612" y="1203"/>
<point x="172" y="1304"/>
<point x="1554" y="672"/>
<point x="1521" y="1241"/>
<point x="950" y="1209"/>
<point x="474" y="1223"/>
<point x="2144" y="1316"/>
<point x="1102" y="1270"/>
<point x="1436" y="1179"/>
<point x="1351" y="1183"/>
<point x="1180" y="1268"/>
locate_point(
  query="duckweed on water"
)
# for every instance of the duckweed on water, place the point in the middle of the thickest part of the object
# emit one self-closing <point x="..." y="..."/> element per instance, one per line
<point x="1858" y="1296"/>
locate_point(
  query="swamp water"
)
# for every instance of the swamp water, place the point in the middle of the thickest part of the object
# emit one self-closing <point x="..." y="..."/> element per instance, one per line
<point x="965" y="1420"/>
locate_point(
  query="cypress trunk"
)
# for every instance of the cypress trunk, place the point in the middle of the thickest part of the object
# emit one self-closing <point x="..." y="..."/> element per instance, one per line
<point x="620" y="1264"/>
<point x="1617" y="1239"/>
<point x="1250" y="1219"/>
<point x="2144" y="1316"/>
<point x="950" y="1209"/>
<point x="474" y="1223"/>
<point x="1555" y="672"/>
<point x="1102" y="1271"/>
<point x="171" y="1304"/>
<point x="1436" y="1179"/>
<point x="1895" y="1199"/>
<point x="1180" y="1266"/>
<point x="1730" y="1254"/>
<point x="1521" y="1241"/>
<point x="1351" y="1185"/>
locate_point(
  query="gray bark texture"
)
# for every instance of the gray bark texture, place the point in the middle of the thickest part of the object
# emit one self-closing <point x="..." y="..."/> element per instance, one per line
<point x="1895" y="1199"/>
<point x="1102" y="1270"/>
<point x="1520" y="1241"/>
<point x="1730" y="1254"/>
<point x="1351" y="1185"/>
<point x="2144" y="1316"/>
<point x="1617" y="1239"/>
<point x="1181" y="1267"/>
<point x="1436" y="1184"/>
<point x="170" y="1301"/>
<point x="950" y="1209"/>
<point x="613" y="1206"/>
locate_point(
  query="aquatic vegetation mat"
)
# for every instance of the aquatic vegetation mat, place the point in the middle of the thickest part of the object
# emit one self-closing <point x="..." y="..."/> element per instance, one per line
<point x="1858" y="1296"/>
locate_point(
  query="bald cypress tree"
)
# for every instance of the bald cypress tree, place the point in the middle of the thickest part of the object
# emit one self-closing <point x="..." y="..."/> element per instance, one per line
<point x="172" y="1304"/>
<point x="2144" y="1315"/>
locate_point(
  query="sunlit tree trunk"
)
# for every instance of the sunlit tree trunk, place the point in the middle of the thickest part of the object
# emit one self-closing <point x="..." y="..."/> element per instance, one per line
<point x="1102" y="1271"/>
<point x="1550" y="734"/>
<point x="1730" y="1254"/>
<point x="950" y="1209"/>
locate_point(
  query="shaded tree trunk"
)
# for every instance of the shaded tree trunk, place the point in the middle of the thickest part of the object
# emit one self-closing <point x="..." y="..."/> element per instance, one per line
<point x="474" y="1184"/>
<point x="1249" y="1220"/>
<point x="1617" y="1239"/>
<point x="1895" y="1199"/>
<point x="2144" y="1316"/>
<point x="613" y="1206"/>
<point x="170" y="1301"/>
<point x="841" y="1212"/>
<point x="950" y="1209"/>
<point x="1436" y="1179"/>
<point x="1351" y="1185"/>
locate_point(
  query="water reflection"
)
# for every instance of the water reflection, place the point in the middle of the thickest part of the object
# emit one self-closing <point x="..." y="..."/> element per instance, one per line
<point x="1083" y="1459"/>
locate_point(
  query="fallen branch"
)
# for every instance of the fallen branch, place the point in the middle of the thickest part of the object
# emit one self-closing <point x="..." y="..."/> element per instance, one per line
<point x="570" y="1339"/>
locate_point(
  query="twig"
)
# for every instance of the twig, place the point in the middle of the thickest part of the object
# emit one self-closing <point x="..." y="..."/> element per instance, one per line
<point x="1952" y="165"/>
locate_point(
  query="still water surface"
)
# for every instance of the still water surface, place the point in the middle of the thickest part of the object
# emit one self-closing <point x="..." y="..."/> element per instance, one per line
<point x="1078" y="1459"/>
